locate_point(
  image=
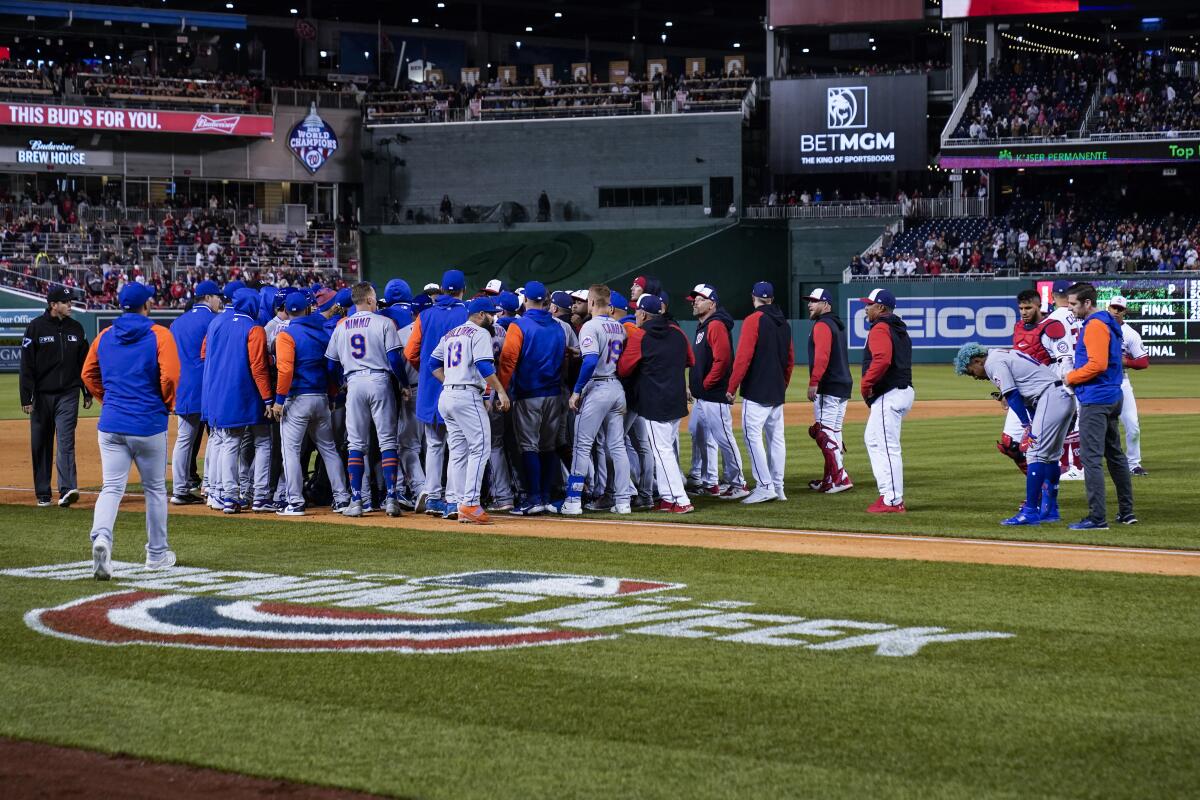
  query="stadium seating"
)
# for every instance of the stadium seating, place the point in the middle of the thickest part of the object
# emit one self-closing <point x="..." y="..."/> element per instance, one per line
<point x="1045" y="97"/>
<point x="1146" y="98"/>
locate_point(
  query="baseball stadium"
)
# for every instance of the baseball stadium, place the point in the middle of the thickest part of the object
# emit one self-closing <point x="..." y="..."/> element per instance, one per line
<point x="547" y="398"/>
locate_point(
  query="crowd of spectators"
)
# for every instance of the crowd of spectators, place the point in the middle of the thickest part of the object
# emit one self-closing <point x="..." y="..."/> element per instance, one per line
<point x="1042" y="95"/>
<point x="1140" y="95"/>
<point x="806" y="70"/>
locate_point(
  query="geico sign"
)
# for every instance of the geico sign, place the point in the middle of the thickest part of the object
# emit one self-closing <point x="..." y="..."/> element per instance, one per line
<point x="945" y="321"/>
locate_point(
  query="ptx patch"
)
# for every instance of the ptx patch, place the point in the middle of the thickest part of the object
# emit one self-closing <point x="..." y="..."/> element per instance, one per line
<point x="215" y="623"/>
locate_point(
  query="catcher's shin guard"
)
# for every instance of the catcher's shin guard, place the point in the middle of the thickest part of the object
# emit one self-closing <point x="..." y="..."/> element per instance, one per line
<point x="1012" y="449"/>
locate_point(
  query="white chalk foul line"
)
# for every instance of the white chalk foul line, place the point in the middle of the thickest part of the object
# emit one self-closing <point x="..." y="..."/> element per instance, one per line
<point x="894" y="537"/>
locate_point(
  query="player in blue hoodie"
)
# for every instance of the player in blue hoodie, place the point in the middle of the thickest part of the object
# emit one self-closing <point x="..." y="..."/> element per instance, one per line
<point x="133" y="370"/>
<point x="397" y="295"/>
<point x="188" y="330"/>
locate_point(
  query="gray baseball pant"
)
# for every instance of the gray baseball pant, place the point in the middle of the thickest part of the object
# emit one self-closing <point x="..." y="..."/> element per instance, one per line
<point x="468" y="437"/>
<point x="641" y="457"/>
<point x="54" y="417"/>
<point x="435" y="459"/>
<point x="253" y="460"/>
<point x="602" y="407"/>
<point x="408" y="445"/>
<point x="500" y="475"/>
<point x="308" y="414"/>
<point x="117" y="453"/>
<point x="188" y="432"/>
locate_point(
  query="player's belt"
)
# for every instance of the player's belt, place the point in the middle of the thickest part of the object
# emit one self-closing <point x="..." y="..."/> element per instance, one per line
<point x="603" y="378"/>
<point x="367" y="372"/>
<point x="473" y="387"/>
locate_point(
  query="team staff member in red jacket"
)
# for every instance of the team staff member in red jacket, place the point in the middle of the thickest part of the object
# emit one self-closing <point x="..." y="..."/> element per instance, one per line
<point x="133" y="370"/>
<point x="654" y="361"/>
<point x="763" y="370"/>
<point x="886" y="385"/>
<point x="829" y="385"/>
<point x="712" y="412"/>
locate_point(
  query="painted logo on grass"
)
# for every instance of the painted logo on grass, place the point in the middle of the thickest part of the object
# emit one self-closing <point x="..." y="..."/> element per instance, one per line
<point x="215" y="623"/>
<point x="347" y="611"/>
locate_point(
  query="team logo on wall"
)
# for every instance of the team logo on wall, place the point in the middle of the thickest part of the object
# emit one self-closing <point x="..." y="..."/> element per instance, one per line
<point x="313" y="141"/>
<point x="846" y="107"/>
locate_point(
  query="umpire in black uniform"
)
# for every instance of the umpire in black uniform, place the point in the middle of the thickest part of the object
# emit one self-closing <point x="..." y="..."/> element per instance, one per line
<point x="52" y="355"/>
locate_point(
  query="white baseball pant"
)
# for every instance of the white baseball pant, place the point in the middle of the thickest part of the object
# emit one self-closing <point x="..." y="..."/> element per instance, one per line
<point x="882" y="438"/>
<point x="830" y="413"/>
<point x="716" y="425"/>
<point x="666" y="464"/>
<point x="766" y="461"/>
<point x="1133" y="427"/>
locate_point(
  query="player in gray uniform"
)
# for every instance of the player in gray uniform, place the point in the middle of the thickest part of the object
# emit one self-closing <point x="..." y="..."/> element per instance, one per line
<point x="368" y="348"/>
<point x="302" y="404"/>
<point x="599" y="399"/>
<point x="464" y="362"/>
<point x="1026" y="384"/>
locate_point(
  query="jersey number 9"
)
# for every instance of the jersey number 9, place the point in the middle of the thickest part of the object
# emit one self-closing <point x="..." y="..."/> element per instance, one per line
<point x="358" y="345"/>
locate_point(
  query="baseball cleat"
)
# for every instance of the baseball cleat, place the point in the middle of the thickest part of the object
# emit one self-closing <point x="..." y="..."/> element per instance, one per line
<point x="405" y="502"/>
<point x="231" y="507"/>
<point x="183" y="500"/>
<point x="664" y="505"/>
<point x="880" y="507"/>
<point x="693" y="484"/>
<point x="529" y="510"/>
<point x="1138" y="470"/>
<point x="1086" y="524"/>
<point x="451" y="511"/>
<point x="68" y="497"/>
<point x="681" y="508"/>
<point x="164" y="561"/>
<point x="599" y="504"/>
<point x="735" y="492"/>
<point x="569" y="508"/>
<point x="759" y="495"/>
<point x="500" y="505"/>
<point x="1073" y="474"/>
<point x="435" y="507"/>
<point x="44" y="502"/>
<point x="264" y="507"/>
<point x="1025" y="516"/>
<point x="820" y="484"/>
<point x="419" y="505"/>
<point x="339" y="507"/>
<point x="473" y="515"/>
<point x="621" y="508"/>
<point x="291" y="511"/>
<point x="102" y="566"/>
<point x="1127" y="519"/>
<point x="844" y="485"/>
<point x="391" y="507"/>
<point x="780" y="496"/>
<point x="355" y="509"/>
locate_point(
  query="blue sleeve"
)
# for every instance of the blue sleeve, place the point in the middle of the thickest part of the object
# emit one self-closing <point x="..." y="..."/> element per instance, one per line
<point x="1017" y="404"/>
<point x="435" y="363"/>
<point x="334" y="368"/>
<point x="585" y="372"/>
<point x="398" y="364"/>
<point x="486" y="368"/>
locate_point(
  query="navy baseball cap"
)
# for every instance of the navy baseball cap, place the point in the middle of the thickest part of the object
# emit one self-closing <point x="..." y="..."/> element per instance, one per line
<point x="231" y="288"/>
<point x="481" y="305"/>
<point x="707" y="291"/>
<point x="819" y="296"/>
<point x="343" y="298"/>
<point x="650" y="304"/>
<point x="763" y="290"/>
<point x="277" y="302"/>
<point x="397" y="291"/>
<point x="59" y="294"/>
<point x="1061" y="286"/>
<point x="536" y="291"/>
<point x="881" y="296"/>
<point x="453" y="281"/>
<point x="508" y="301"/>
<point x="618" y="301"/>
<point x="295" y="302"/>
<point x="420" y="302"/>
<point x="206" y="288"/>
<point x="135" y="295"/>
<point x="561" y="299"/>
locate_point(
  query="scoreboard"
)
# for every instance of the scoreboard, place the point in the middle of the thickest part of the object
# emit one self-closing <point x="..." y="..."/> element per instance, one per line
<point x="1165" y="311"/>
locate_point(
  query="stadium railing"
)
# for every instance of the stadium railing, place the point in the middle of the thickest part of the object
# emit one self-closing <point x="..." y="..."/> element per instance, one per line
<point x="847" y="209"/>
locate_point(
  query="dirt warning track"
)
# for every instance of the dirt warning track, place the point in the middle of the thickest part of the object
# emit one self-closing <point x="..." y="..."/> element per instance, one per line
<point x="646" y="529"/>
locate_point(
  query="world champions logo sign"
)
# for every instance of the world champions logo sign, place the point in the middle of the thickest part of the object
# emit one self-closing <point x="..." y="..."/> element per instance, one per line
<point x="312" y="141"/>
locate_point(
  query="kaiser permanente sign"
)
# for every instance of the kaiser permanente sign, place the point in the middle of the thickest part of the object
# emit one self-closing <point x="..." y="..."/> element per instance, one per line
<point x="128" y="119"/>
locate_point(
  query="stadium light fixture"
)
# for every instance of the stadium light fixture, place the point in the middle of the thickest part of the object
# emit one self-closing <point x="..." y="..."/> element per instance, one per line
<point x="415" y="20"/>
<point x="294" y="10"/>
<point x="558" y="15"/>
<point x="237" y="45"/>
<point x="441" y="5"/>
<point x="873" y="48"/>
<point x="737" y="45"/>
<point x="669" y="24"/>
<point x="229" y="5"/>
<point x="663" y="37"/>
<point x="529" y="29"/>
<point x="518" y="44"/>
<point x="366" y="53"/>
<point x="804" y="50"/>
<point x="324" y="54"/>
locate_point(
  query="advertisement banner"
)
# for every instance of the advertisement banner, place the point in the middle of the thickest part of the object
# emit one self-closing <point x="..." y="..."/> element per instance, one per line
<point x="1087" y="153"/>
<point x="838" y="12"/>
<point x="944" y="321"/>
<point x="143" y="121"/>
<point x="953" y="9"/>
<point x="10" y="358"/>
<point x="848" y="124"/>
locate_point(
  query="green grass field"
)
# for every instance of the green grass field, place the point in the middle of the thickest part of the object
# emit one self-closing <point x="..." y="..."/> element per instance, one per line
<point x="933" y="382"/>
<point x="1095" y="694"/>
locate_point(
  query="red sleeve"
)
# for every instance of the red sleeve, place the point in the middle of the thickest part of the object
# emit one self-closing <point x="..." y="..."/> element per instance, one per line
<point x="256" y="348"/>
<point x="791" y="363"/>
<point x="718" y="343"/>
<point x="1055" y="329"/>
<point x="879" y="342"/>
<point x="631" y="356"/>
<point x="1136" y="363"/>
<point x="747" y="341"/>
<point x="822" y="347"/>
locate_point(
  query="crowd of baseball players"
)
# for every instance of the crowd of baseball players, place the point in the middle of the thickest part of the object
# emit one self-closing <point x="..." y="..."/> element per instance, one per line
<point x="533" y="402"/>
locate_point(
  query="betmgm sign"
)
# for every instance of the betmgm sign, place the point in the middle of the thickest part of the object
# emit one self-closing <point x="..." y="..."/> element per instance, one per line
<point x="848" y="124"/>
